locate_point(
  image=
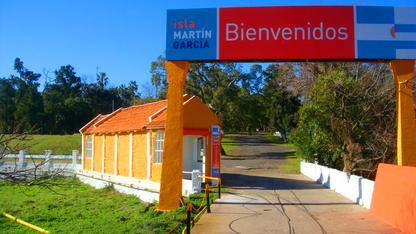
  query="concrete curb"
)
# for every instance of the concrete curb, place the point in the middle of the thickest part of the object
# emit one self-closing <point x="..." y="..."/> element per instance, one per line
<point x="355" y="188"/>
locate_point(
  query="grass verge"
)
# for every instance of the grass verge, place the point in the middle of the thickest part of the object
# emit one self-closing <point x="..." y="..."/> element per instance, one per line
<point x="59" y="144"/>
<point x="293" y="163"/>
<point x="276" y="140"/>
<point x="228" y="142"/>
<point x="83" y="209"/>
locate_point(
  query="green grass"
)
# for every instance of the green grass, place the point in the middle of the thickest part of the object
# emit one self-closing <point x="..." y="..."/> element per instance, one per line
<point x="228" y="143"/>
<point x="83" y="209"/>
<point x="293" y="163"/>
<point x="276" y="140"/>
<point x="59" y="144"/>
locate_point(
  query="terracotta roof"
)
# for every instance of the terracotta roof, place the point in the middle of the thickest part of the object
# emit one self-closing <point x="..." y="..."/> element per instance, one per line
<point x="160" y="120"/>
<point x="130" y="118"/>
<point x="90" y="126"/>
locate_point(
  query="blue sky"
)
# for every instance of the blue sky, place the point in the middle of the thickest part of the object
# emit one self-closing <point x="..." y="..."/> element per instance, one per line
<point x="121" y="38"/>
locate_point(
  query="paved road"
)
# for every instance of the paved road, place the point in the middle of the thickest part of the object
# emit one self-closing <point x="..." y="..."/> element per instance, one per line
<point x="263" y="200"/>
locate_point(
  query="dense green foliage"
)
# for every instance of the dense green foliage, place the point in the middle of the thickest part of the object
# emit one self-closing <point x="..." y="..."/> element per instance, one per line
<point x="243" y="101"/>
<point x="79" y="208"/>
<point x="348" y="119"/>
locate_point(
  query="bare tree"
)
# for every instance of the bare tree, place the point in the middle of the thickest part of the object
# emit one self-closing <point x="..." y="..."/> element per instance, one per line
<point x="149" y="90"/>
<point x="35" y="172"/>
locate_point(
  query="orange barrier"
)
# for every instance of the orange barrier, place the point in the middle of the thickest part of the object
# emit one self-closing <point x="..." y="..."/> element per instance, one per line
<point x="211" y="178"/>
<point x="218" y="185"/>
<point x="25" y="223"/>
<point x="394" y="196"/>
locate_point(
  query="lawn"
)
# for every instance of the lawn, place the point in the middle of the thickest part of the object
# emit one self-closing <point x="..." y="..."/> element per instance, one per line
<point x="59" y="144"/>
<point x="293" y="163"/>
<point x="276" y="140"/>
<point x="228" y="142"/>
<point x="83" y="209"/>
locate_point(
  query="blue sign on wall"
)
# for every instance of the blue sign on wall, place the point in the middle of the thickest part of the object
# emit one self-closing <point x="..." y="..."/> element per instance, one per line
<point x="215" y="173"/>
<point x="215" y="131"/>
<point x="192" y="34"/>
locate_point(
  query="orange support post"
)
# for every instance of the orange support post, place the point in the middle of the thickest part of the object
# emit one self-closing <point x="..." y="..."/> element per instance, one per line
<point x="406" y="124"/>
<point x="394" y="196"/>
<point x="172" y="162"/>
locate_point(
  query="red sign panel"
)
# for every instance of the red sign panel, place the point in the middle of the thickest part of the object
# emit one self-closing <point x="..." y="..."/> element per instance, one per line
<point x="216" y="156"/>
<point x="286" y="32"/>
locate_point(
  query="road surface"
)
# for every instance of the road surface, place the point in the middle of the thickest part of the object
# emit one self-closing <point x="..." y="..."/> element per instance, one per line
<point x="263" y="200"/>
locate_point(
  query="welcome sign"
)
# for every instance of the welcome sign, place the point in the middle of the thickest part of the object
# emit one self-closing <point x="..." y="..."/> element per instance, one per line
<point x="291" y="33"/>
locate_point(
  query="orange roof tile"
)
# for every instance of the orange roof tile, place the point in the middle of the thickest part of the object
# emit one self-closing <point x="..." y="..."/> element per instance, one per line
<point x="159" y="119"/>
<point x="130" y="118"/>
<point x="90" y="126"/>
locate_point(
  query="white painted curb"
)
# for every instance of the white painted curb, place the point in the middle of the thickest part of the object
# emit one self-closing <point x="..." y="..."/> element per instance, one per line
<point x="355" y="188"/>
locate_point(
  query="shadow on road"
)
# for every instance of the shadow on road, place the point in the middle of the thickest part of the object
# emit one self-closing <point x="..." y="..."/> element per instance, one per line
<point x="261" y="182"/>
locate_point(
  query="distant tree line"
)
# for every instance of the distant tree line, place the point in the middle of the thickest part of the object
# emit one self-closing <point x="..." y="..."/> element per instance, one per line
<point x="244" y="101"/>
<point x="65" y="104"/>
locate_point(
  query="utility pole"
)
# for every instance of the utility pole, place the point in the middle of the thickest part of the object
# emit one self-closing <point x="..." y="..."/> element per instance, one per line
<point x="96" y="69"/>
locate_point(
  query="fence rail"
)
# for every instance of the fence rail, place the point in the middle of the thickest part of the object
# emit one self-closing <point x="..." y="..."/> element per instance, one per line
<point x="48" y="163"/>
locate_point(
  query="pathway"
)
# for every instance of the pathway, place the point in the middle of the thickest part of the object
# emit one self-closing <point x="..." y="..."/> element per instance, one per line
<point x="263" y="200"/>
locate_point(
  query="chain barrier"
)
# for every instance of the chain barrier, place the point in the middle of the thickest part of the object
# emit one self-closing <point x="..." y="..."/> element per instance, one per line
<point x="190" y="207"/>
<point x="203" y="199"/>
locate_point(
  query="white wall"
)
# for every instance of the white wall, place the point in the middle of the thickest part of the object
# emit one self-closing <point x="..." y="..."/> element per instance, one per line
<point x="147" y="191"/>
<point x="356" y="188"/>
<point x="143" y="194"/>
<point x="189" y="151"/>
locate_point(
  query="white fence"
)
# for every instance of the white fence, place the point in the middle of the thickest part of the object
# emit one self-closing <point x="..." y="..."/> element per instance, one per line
<point x="24" y="162"/>
<point x="356" y="188"/>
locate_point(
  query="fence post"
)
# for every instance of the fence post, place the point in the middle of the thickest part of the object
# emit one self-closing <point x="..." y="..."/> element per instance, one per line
<point x="74" y="158"/>
<point x="219" y="188"/>
<point x="188" y="222"/>
<point x="196" y="181"/>
<point x="48" y="158"/>
<point x="208" y="200"/>
<point x="22" y="162"/>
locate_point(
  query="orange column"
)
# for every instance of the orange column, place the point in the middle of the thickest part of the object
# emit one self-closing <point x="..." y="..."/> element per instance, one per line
<point x="171" y="180"/>
<point x="406" y="124"/>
